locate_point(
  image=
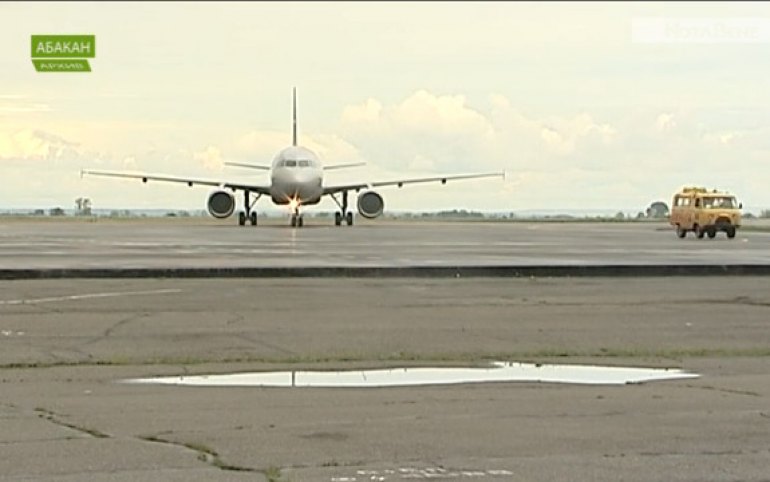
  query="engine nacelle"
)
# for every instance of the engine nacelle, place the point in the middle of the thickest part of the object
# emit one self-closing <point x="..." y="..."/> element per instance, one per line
<point x="221" y="204"/>
<point x="370" y="204"/>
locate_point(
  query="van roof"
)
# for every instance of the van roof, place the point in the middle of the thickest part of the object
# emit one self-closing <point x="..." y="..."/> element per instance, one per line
<point x="703" y="190"/>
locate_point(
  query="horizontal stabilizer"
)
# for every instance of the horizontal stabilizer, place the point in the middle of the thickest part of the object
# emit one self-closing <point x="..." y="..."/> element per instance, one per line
<point x="250" y="166"/>
<point x="343" y="166"/>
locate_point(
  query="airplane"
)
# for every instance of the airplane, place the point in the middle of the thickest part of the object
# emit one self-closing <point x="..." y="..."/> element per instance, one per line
<point x="296" y="180"/>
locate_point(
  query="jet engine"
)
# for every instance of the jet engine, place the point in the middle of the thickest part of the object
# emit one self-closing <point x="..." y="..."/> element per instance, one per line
<point x="221" y="204"/>
<point x="370" y="204"/>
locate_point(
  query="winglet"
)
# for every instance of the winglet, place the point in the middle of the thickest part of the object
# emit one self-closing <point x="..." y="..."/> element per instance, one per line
<point x="294" y="116"/>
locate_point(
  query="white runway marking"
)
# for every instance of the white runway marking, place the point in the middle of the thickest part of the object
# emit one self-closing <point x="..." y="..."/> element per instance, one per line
<point x="405" y="473"/>
<point x="11" y="333"/>
<point x="398" y="377"/>
<point x="87" y="296"/>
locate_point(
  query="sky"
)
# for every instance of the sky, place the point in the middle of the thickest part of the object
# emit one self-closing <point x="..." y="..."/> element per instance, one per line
<point x="582" y="106"/>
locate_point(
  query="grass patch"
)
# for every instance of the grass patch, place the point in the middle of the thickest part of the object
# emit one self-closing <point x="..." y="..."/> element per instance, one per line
<point x="273" y="474"/>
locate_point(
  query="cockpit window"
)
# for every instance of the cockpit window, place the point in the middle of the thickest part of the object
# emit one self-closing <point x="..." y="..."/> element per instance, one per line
<point x="297" y="163"/>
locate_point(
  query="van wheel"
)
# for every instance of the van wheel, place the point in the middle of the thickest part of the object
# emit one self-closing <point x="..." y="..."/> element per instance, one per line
<point x="699" y="232"/>
<point x="681" y="232"/>
<point x="711" y="232"/>
<point x="731" y="232"/>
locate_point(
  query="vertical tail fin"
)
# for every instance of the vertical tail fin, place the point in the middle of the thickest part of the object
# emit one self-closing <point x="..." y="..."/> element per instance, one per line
<point x="294" y="117"/>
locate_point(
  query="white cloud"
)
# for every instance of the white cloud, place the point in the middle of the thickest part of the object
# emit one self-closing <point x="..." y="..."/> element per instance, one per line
<point x="421" y="163"/>
<point x="665" y="122"/>
<point x="210" y="158"/>
<point x="16" y="108"/>
<point x="261" y="146"/>
<point x="581" y="160"/>
<point x="331" y="148"/>
<point x="564" y="135"/>
<point x="33" y="144"/>
<point x="433" y="132"/>
<point x="725" y="138"/>
<point x="368" y="112"/>
<point x="552" y="138"/>
<point x="439" y="114"/>
<point x="422" y="131"/>
<point x="555" y="94"/>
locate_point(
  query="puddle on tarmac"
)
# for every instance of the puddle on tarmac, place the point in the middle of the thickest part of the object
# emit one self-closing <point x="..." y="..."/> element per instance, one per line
<point x="399" y="377"/>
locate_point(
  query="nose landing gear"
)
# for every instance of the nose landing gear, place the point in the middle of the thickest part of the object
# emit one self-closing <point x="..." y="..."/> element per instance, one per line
<point x="296" y="220"/>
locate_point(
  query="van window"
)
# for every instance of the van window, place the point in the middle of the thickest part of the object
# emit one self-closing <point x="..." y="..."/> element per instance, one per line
<point x="719" y="202"/>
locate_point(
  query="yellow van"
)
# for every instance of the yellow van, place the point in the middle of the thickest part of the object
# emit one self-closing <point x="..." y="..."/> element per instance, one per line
<point x="705" y="212"/>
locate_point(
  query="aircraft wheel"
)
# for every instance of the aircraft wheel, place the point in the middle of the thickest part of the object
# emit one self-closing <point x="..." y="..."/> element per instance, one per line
<point x="337" y="218"/>
<point x="300" y="221"/>
<point x="349" y="219"/>
<point x="293" y="221"/>
<point x="253" y="218"/>
<point x="241" y="218"/>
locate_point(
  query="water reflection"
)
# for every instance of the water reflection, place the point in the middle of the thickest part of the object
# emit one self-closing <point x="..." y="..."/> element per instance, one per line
<point x="394" y="377"/>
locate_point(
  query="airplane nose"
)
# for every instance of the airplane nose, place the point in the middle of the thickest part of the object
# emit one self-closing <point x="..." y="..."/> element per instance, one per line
<point x="302" y="184"/>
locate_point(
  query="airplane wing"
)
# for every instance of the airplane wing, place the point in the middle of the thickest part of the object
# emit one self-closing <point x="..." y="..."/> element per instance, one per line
<point x="189" y="181"/>
<point x="401" y="182"/>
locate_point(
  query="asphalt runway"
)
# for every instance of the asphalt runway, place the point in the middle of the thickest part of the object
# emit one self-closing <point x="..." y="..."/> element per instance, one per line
<point x="66" y="345"/>
<point x="179" y="243"/>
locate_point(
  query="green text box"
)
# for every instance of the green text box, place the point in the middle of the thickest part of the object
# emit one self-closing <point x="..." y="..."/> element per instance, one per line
<point x="61" y="65"/>
<point x="63" y="46"/>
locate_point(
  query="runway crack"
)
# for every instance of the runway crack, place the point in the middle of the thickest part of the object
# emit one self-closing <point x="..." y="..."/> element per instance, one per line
<point x="54" y="418"/>
<point x="235" y="319"/>
<point x="205" y="454"/>
<point x="726" y="390"/>
<point x="265" y="344"/>
<point x="120" y="323"/>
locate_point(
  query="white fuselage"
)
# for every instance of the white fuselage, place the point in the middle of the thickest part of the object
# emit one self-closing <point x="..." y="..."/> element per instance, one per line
<point x="296" y="177"/>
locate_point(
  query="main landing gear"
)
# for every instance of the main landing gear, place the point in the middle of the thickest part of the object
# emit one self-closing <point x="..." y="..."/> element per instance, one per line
<point x="247" y="212"/>
<point x="343" y="214"/>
